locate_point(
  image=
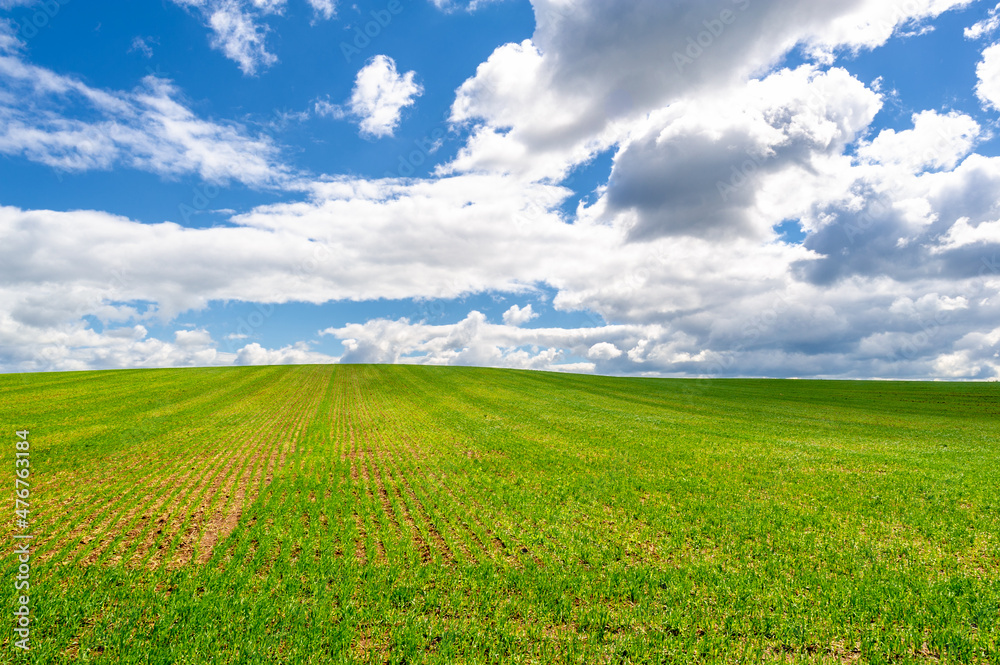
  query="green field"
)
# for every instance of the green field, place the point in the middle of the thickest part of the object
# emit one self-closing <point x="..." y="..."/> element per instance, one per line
<point x="410" y="514"/>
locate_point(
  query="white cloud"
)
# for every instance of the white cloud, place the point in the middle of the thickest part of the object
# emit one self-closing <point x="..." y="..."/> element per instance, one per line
<point x="380" y="94"/>
<point x="530" y="126"/>
<point x="985" y="27"/>
<point x="269" y="6"/>
<point x="326" y="9"/>
<point x="240" y="37"/>
<point x="739" y="305"/>
<point x="541" y="106"/>
<point x="936" y="141"/>
<point x="9" y="41"/>
<point x="897" y="276"/>
<point x="295" y="354"/>
<point x="142" y="45"/>
<point x="467" y="5"/>
<point x="963" y="234"/>
<point x="988" y="72"/>
<point x="518" y="316"/>
<point x="418" y="240"/>
<point x="324" y="107"/>
<point x="703" y="166"/>
<point x="867" y="24"/>
<point x="472" y="341"/>
<point x="193" y="338"/>
<point x="238" y="29"/>
<point x="775" y="336"/>
<point x="75" y="347"/>
<point x="604" y="351"/>
<point x="148" y="129"/>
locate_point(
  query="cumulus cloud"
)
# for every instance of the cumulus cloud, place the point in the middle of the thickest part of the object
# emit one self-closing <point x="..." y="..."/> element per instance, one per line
<point x="898" y="268"/>
<point x="148" y="128"/>
<point x="963" y="234"/>
<point x="937" y="141"/>
<point x="379" y="97"/>
<point x="779" y="334"/>
<point x="307" y="251"/>
<point x="518" y="316"/>
<point x="891" y="222"/>
<point x="76" y="347"/>
<point x="884" y="231"/>
<point x="676" y="261"/>
<point x="985" y="27"/>
<point x="294" y="354"/>
<point x="603" y="351"/>
<point x="473" y="341"/>
<point x="550" y="102"/>
<point x="988" y="73"/>
<point x="700" y="167"/>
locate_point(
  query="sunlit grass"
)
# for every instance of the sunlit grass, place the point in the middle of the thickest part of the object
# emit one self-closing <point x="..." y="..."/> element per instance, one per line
<point x="408" y="514"/>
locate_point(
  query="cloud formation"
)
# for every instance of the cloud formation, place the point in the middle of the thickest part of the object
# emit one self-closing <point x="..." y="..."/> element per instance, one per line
<point x="550" y="102"/>
<point x="518" y="316"/>
<point x="898" y="275"/>
<point x="238" y="29"/>
<point x="9" y="41"/>
<point x="985" y="27"/>
<point x="380" y="94"/>
<point x="676" y="260"/>
<point x="149" y="129"/>
<point x="701" y="166"/>
<point x="988" y="73"/>
<point x="325" y="9"/>
<point x="466" y="5"/>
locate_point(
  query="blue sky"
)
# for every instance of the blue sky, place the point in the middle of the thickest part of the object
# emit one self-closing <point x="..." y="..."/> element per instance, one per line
<point x="670" y="188"/>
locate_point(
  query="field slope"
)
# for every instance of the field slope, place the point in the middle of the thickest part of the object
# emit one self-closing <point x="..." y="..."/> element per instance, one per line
<point x="409" y="514"/>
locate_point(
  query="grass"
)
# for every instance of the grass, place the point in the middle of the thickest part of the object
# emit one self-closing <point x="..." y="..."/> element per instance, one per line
<point x="339" y="514"/>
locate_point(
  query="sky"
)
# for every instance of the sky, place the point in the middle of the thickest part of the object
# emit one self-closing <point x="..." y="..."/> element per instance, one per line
<point x="670" y="188"/>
